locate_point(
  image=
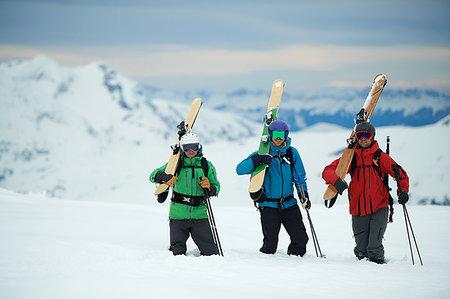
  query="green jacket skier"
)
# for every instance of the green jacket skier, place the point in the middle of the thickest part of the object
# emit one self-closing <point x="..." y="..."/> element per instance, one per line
<point x="188" y="212"/>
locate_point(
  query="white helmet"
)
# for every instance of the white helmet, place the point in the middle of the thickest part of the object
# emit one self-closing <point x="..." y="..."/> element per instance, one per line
<point x="189" y="138"/>
<point x="190" y="141"/>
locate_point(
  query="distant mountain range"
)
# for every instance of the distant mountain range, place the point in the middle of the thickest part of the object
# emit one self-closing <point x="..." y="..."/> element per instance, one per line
<point x="409" y="107"/>
<point x="90" y="133"/>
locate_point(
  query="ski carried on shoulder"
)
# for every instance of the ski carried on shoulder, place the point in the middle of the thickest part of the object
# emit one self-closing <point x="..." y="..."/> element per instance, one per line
<point x="363" y="116"/>
<point x="257" y="177"/>
<point x="183" y="128"/>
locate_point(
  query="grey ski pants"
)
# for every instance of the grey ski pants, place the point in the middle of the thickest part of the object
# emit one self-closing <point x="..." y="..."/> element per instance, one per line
<point x="368" y="232"/>
<point x="199" y="229"/>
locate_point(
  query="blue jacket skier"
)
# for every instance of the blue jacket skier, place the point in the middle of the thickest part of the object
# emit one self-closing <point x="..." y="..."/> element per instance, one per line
<point x="276" y="201"/>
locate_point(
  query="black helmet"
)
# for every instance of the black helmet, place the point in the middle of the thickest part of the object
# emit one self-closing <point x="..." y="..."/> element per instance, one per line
<point x="365" y="126"/>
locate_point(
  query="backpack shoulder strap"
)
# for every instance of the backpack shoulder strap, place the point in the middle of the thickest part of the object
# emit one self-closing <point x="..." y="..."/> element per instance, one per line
<point x="376" y="162"/>
<point x="180" y="164"/>
<point x="353" y="164"/>
<point x="377" y="166"/>
<point x="205" y="166"/>
<point x="290" y="158"/>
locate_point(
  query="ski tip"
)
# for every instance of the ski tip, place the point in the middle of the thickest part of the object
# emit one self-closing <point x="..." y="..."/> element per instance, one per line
<point x="379" y="77"/>
<point x="197" y="100"/>
<point x="278" y="83"/>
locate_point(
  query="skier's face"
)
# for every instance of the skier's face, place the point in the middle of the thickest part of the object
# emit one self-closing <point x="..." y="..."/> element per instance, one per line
<point x="190" y="154"/>
<point x="364" y="138"/>
<point x="278" y="142"/>
<point x="364" y="142"/>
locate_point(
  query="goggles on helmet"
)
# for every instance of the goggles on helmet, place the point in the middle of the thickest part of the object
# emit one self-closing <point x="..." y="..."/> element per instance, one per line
<point x="278" y="134"/>
<point x="364" y="134"/>
<point x="190" y="147"/>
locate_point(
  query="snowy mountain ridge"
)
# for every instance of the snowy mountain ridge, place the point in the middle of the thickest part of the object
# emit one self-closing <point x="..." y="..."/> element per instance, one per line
<point x="410" y="107"/>
<point x="90" y="133"/>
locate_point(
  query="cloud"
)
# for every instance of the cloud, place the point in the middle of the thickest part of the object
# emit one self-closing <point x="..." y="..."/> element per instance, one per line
<point x="174" y="60"/>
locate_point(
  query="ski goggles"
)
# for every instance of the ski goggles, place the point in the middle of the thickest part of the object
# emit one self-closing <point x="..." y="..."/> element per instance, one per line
<point x="364" y="134"/>
<point x="190" y="147"/>
<point x="278" y="134"/>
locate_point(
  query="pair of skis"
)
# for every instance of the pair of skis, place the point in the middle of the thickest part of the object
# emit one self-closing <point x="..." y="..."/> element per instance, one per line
<point x="363" y="116"/>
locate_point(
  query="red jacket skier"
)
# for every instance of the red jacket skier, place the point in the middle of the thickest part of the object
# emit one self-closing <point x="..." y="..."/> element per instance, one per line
<point x="368" y="196"/>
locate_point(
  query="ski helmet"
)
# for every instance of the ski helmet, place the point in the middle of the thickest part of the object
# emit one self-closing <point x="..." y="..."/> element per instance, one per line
<point x="190" y="140"/>
<point x="365" y="126"/>
<point x="278" y="125"/>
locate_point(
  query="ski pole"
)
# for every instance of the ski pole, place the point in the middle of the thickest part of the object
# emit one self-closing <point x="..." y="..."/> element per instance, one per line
<point x="407" y="233"/>
<point x="407" y="219"/>
<point x="314" y="237"/>
<point x="212" y="223"/>
<point x="408" y="223"/>
<point x="313" y="231"/>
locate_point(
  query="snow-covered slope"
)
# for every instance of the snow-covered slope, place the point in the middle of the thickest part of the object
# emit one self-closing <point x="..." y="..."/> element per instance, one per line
<point x="76" y="131"/>
<point x="90" y="133"/>
<point x="54" y="249"/>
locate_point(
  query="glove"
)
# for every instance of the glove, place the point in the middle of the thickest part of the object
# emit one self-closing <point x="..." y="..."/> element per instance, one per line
<point x="258" y="159"/>
<point x="340" y="185"/>
<point x="329" y="203"/>
<point x="164" y="178"/>
<point x="403" y="197"/>
<point x="306" y="203"/>
<point x="163" y="196"/>
<point x="204" y="183"/>
<point x="171" y="182"/>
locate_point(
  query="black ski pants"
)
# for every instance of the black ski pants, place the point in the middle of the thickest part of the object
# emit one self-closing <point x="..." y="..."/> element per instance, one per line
<point x="199" y="229"/>
<point x="369" y="231"/>
<point x="291" y="218"/>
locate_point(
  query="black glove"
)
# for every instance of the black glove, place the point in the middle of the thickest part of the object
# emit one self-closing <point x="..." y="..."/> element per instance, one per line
<point x="306" y="203"/>
<point x="162" y="177"/>
<point x="340" y="185"/>
<point x="329" y="203"/>
<point x="162" y="196"/>
<point x="403" y="197"/>
<point x="258" y="159"/>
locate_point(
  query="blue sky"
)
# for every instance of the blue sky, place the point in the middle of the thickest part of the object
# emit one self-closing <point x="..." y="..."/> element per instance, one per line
<point x="226" y="45"/>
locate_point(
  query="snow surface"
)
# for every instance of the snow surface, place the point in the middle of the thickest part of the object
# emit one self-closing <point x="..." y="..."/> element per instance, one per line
<point x="83" y="249"/>
<point x="90" y="136"/>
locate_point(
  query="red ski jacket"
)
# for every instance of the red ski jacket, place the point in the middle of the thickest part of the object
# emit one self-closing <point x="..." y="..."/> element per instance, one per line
<point x="367" y="193"/>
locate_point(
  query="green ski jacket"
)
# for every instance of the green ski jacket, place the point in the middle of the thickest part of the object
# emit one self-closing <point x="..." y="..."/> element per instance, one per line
<point x="187" y="184"/>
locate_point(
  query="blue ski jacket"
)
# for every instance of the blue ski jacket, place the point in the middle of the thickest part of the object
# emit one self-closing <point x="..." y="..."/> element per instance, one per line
<point x="279" y="179"/>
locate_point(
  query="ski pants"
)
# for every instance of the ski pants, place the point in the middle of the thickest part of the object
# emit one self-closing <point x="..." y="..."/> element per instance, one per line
<point x="199" y="229"/>
<point x="369" y="231"/>
<point x="291" y="218"/>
